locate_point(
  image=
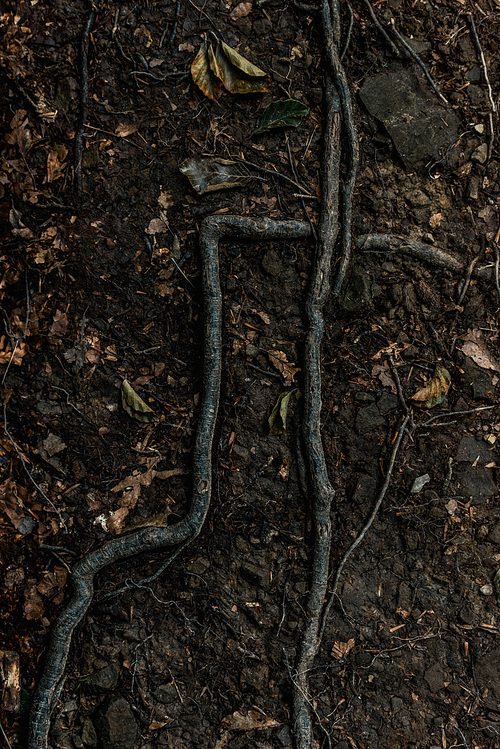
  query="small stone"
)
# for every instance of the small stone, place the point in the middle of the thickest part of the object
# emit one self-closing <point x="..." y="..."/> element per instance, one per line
<point x="198" y="566"/>
<point x="89" y="736"/>
<point x="363" y="397"/>
<point x="256" y="576"/>
<point x="369" y="419"/>
<point x="271" y="263"/>
<point x="251" y="351"/>
<point x="284" y="736"/>
<point x="480" y="154"/>
<point x="419" y="483"/>
<point x="102" y="681"/>
<point x="387" y="402"/>
<point x="166" y="694"/>
<point x="116" y="726"/>
<point x="486" y="590"/>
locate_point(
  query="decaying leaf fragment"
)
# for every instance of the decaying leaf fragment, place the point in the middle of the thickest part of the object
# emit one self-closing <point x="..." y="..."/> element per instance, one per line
<point x="208" y="173"/>
<point x="434" y="392"/>
<point x="284" y="113"/>
<point x="135" y="406"/>
<point x="277" y="419"/>
<point x="217" y="65"/>
<point x="475" y="347"/>
<point x="252" y="720"/>
<point x="341" y="649"/>
<point x="203" y="75"/>
<point x="278" y="359"/>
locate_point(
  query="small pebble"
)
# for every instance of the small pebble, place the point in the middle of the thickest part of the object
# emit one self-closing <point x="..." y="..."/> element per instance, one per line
<point x="486" y="590"/>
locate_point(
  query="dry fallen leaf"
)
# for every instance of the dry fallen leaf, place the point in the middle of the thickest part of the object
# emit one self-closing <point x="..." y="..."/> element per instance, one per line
<point x="341" y="649"/>
<point x="278" y="359"/>
<point x="240" y="11"/>
<point x="56" y="162"/>
<point x="252" y="720"/>
<point x="434" y="392"/>
<point x="383" y="372"/>
<point x="474" y="347"/>
<point x="126" y="128"/>
<point x="203" y="75"/>
<point x="60" y="323"/>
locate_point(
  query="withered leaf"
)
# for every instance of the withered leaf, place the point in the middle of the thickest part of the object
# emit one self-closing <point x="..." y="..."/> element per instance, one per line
<point x="278" y="359"/>
<point x="284" y="113"/>
<point x="341" y="649"/>
<point x="475" y="347"/>
<point x="208" y="173"/>
<point x="277" y="419"/>
<point x="135" y="406"/>
<point x="434" y="392"/>
<point x="238" y="75"/>
<point x="203" y="75"/>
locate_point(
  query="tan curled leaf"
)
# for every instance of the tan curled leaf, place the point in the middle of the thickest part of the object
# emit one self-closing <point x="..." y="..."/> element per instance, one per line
<point x="278" y="359"/>
<point x="383" y="372"/>
<point x="252" y="720"/>
<point x="434" y="392"/>
<point x="126" y="128"/>
<point x="238" y="75"/>
<point x="207" y="173"/>
<point x="56" y="162"/>
<point x="240" y="11"/>
<point x="341" y="649"/>
<point x="135" y="406"/>
<point x="277" y="419"/>
<point x="474" y="347"/>
<point x="203" y="75"/>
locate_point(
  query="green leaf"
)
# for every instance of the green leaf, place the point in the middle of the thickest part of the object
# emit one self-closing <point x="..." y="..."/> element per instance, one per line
<point x="208" y="173"/>
<point x="135" y="406"/>
<point x="277" y="420"/>
<point x="284" y="113"/>
<point x="496" y="586"/>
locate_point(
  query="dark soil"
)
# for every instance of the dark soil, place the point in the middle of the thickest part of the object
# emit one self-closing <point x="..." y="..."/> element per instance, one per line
<point x="108" y="287"/>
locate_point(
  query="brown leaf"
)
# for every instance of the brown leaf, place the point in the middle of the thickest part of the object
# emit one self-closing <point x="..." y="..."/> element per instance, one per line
<point x="240" y="11"/>
<point x="56" y="162"/>
<point x="434" y="392"/>
<point x="33" y="604"/>
<point x="278" y="359"/>
<point x="60" y="323"/>
<point x="203" y="75"/>
<point x="238" y="75"/>
<point x="209" y="173"/>
<point x="126" y="128"/>
<point x="341" y="649"/>
<point x="474" y="347"/>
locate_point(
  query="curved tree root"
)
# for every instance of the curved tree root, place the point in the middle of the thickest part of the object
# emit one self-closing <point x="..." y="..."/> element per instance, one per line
<point x="212" y="230"/>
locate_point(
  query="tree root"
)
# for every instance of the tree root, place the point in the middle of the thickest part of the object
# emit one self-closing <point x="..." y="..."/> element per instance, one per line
<point x="149" y="539"/>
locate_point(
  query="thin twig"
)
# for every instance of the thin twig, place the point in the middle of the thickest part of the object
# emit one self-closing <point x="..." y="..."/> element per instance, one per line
<point x="455" y="413"/>
<point x="418" y="60"/>
<point x="349" y="32"/>
<point x="84" y="100"/>
<point x="369" y="523"/>
<point x="467" y="279"/>
<point x="274" y="173"/>
<point x="483" y="62"/>
<point x="28" y="473"/>
<point x="379" y="26"/>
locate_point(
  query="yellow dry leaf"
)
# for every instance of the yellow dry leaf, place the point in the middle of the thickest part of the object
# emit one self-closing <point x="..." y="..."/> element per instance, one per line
<point x="280" y="362"/>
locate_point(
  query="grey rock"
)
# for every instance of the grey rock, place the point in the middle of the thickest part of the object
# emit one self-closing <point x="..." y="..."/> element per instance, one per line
<point x="476" y="485"/>
<point x="494" y="535"/>
<point x="198" y="566"/>
<point x="418" y="125"/>
<point x="480" y="154"/>
<point x="115" y="725"/>
<point x="255" y="678"/>
<point x="471" y="450"/>
<point x="102" y="681"/>
<point x="284" y="736"/>
<point x="166" y="694"/>
<point x="387" y="402"/>
<point x="369" y="419"/>
<point x="271" y="263"/>
<point x="255" y="575"/>
<point x="474" y="74"/>
<point x="363" y="397"/>
<point x="435" y="677"/>
<point x="89" y="735"/>
<point x="241" y="454"/>
<point x="396" y="704"/>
